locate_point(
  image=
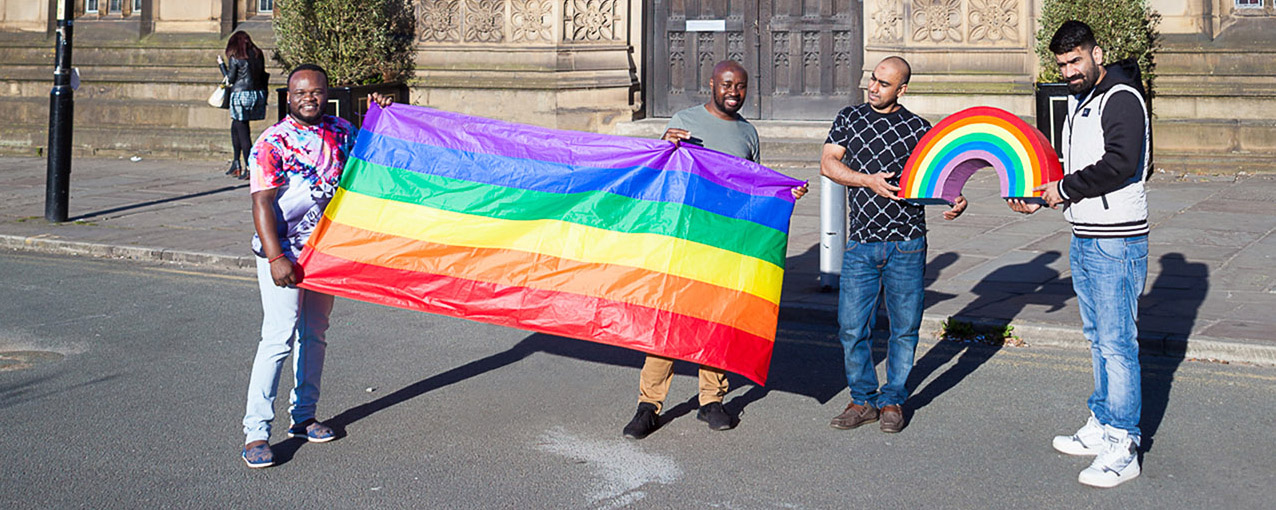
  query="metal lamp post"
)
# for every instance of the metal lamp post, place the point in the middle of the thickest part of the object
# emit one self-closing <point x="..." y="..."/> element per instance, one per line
<point x="61" y="119"/>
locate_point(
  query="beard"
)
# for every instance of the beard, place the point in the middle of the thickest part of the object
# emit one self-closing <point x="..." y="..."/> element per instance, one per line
<point x="1088" y="79"/>
<point x="313" y="119"/>
<point x="721" y="103"/>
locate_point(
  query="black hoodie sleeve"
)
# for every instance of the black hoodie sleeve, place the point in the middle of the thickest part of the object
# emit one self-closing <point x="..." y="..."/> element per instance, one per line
<point x="1123" y="136"/>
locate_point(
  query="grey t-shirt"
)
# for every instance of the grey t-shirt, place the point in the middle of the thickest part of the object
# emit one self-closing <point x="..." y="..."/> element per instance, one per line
<point x="735" y="137"/>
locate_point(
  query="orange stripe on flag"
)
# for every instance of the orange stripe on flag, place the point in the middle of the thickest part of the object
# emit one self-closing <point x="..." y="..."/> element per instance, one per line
<point x="624" y="284"/>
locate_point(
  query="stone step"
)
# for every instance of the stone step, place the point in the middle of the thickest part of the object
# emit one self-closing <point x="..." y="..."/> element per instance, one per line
<point x="164" y="84"/>
<point x="1214" y="163"/>
<point x="97" y="141"/>
<point x="102" y="112"/>
<point x="184" y="91"/>
<point x="91" y="54"/>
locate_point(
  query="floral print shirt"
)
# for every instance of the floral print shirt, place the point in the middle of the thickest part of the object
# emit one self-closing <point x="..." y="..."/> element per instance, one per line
<point x="304" y="164"/>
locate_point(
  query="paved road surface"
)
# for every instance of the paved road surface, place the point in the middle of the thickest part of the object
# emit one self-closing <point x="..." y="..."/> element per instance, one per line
<point x="141" y="408"/>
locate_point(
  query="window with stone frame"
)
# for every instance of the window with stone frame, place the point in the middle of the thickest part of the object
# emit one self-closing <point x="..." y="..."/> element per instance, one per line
<point x="115" y="6"/>
<point x="1249" y="4"/>
<point x="91" y="6"/>
<point x="264" y="6"/>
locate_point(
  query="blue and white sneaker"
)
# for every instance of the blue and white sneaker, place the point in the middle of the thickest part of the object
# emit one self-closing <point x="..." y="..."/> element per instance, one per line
<point x="313" y="431"/>
<point x="1116" y="464"/>
<point x="259" y="456"/>
<point x="1088" y="440"/>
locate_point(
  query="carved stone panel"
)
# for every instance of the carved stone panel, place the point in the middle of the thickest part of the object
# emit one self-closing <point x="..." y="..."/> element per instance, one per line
<point x="531" y="20"/>
<point x="842" y="60"/>
<point x="994" y="21"/>
<point x="780" y="51"/>
<point x="705" y="59"/>
<point x="438" y="20"/>
<point x="677" y="61"/>
<point x="591" y="20"/>
<point x="735" y="46"/>
<point x="887" y="21"/>
<point x="810" y="63"/>
<point x="936" y="20"/>
<point x="484" y="20"/>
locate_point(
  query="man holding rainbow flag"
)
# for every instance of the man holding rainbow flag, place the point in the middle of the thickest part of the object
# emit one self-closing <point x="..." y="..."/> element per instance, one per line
<point x="715" y="125"/>
<point x="294" y="167"/>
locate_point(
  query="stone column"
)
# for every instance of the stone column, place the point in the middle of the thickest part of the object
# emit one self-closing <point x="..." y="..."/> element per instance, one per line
<point x="554" y="63"/>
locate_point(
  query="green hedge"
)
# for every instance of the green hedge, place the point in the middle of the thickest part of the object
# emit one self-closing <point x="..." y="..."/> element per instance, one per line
<point x="359" y="42"/>
<point x="1124" y="29"/>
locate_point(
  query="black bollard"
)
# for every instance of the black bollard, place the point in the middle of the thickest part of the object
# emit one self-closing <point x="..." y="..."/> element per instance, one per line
<point x="61" y="120"/>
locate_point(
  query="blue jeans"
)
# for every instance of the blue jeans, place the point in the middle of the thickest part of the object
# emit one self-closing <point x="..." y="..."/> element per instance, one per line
<point x="289" y="315"/>
<point x="868" y="269"/>
<point x="1108" y="276"/>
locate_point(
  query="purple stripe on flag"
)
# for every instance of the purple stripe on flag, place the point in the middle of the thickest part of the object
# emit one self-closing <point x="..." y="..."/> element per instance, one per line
<point x="477" y="134"/>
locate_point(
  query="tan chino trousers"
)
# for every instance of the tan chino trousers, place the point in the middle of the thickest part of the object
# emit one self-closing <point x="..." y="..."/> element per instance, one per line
<point x="657" y="373"/>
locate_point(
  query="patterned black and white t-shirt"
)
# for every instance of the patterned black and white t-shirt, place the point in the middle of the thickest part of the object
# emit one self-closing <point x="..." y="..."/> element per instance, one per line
<point x="877" y="142"/>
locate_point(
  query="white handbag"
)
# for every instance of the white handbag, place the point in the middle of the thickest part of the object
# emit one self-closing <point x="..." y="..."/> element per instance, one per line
<point x="221" y="96"/>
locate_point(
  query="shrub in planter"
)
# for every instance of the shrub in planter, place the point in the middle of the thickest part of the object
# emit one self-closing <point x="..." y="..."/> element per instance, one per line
<point x="1124" y="29"/>
<point x="365" y="45"/>
<point x="359" y="42"/>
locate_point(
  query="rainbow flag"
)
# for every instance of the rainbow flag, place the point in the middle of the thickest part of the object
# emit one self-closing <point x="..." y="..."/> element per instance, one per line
<point x="623" y="241"/>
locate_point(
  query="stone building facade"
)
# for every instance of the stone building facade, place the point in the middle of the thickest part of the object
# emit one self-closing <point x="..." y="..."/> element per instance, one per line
<point x="594" y="64"/>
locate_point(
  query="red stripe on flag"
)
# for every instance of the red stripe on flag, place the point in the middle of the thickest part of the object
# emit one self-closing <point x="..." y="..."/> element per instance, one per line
<point x="559" y="313"/>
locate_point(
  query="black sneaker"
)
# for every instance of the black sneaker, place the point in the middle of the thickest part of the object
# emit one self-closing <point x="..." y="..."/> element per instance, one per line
<point x="644" y="423"/>
<point x="715" y="416"/>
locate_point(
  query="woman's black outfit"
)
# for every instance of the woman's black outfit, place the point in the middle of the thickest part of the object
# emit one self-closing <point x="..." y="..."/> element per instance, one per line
<point x="247" y="78"/>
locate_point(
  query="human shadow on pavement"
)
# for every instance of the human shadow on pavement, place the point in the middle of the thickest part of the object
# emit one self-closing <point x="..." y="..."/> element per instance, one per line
<point x="810" y="360"/>
<point x="999" y="298"/>
<point x="1167" y="315"/>
<point x="148" y="203"/>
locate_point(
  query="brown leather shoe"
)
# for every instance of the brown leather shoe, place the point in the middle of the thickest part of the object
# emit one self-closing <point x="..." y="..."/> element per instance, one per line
<point x="892" y="418"/>
<point x="854" y="416"/>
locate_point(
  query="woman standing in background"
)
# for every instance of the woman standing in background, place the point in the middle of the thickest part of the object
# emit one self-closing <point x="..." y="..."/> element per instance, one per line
<point x="246" y="73"/>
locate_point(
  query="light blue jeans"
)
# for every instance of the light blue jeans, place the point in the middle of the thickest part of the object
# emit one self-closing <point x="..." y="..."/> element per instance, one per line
<point x="289" y="315"/>
<point x="1108" y="276"/>
<point x="869" y="270"/>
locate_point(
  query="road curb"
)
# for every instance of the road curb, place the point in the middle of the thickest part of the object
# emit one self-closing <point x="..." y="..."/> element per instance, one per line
<point x="1203" y="348"/>
<point x="42" y="244"/>
<point x="1208" y="348"/>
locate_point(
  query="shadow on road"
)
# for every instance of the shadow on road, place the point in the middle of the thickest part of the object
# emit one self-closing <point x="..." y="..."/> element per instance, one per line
<point x="1168" y="314"/>
<point x="1000" y="296"/>
<point x="806" y="361"/>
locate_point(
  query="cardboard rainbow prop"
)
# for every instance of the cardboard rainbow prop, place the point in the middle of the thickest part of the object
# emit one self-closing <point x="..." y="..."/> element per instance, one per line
<point x="624" y="241"/>
<point x="973" y="139"/>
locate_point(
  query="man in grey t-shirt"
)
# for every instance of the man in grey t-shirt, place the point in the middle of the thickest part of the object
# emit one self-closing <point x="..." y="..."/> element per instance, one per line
<point x="716" y="125"/>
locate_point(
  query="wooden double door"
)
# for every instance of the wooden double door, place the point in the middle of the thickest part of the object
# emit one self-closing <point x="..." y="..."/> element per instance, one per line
<point x="804" y="57"/>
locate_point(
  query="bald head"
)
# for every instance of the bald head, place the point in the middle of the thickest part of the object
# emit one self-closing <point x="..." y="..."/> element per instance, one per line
<point x="729" y="86"/>
<point x="729" y="65"/>
<point x="888" y="81"/>
<point x="901" y="66"/>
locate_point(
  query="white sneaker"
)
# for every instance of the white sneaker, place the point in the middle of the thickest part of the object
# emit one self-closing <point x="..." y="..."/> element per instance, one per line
<point x="1116" y="464"/>
<point x="1087" y="441"/>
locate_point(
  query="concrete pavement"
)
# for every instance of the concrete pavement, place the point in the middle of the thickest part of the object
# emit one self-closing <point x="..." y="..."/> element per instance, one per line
<point x="1211" y="289"/>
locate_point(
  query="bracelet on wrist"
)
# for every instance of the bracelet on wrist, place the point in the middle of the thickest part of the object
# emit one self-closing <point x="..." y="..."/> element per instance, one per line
<point x="276" y="257"/>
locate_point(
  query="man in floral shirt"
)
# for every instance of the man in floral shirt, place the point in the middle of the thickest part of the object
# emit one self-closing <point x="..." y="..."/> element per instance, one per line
<point x="294" y="166"/>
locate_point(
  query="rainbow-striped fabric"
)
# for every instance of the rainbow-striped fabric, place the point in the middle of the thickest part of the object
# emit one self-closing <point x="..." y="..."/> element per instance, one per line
<point x="624" y="241"/>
